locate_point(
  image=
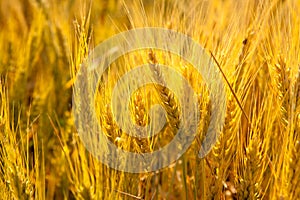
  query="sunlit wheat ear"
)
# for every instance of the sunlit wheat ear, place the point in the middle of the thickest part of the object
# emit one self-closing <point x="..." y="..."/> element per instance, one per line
<point x="253" y="168"/>
<point x="283" y="86"/>
<point x="139" y="112"/>
<point x="167" y="98"/>
<point x="223" y="151"/>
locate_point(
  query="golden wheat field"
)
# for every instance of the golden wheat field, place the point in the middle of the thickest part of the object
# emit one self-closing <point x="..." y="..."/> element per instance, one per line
<point x="255" y="43"/>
